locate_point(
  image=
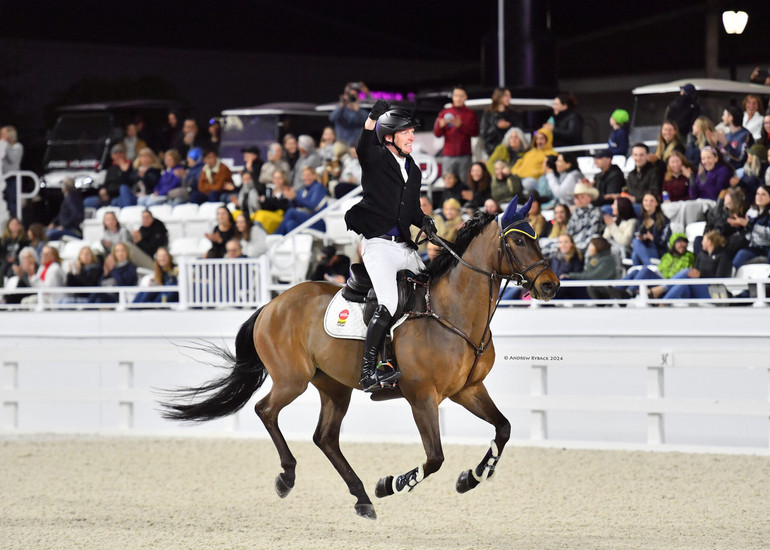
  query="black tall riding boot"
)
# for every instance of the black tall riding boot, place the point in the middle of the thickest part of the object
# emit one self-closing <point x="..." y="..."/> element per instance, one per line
<point x="373" y="378"/>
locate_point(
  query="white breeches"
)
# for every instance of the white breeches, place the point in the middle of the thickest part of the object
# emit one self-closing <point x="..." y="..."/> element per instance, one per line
<point x="383" y="259"/>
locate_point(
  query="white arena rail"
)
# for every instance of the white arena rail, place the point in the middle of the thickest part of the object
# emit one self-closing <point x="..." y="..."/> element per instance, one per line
<point x="651" y="378"/>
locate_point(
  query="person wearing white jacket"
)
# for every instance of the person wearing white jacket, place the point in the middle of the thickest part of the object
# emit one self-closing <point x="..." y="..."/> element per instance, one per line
<point x="562" y="181"/>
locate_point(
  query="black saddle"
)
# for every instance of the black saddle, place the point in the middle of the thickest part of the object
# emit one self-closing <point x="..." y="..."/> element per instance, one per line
<point x="358" y="288"/>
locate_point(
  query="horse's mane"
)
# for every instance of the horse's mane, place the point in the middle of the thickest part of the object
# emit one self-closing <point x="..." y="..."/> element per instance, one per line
<point x="445" y="261"/>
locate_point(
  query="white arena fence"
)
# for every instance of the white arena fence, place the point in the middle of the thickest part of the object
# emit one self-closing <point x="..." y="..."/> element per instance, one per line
<point x="690" y="378"/>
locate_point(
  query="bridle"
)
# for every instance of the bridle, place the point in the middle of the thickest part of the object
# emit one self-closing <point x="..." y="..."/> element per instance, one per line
<point x="518" y="275"/>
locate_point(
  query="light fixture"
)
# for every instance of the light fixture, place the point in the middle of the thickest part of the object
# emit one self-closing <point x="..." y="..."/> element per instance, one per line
<point x="734" y="22"/>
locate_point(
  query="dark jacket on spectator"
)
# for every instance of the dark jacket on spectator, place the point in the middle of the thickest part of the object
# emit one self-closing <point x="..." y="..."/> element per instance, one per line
<point x="89" y="275"/>
<point x="153" y="237"/>
<point x="567" y="129"/>
<point x="608" y="183"/>
<point x="717" y="264"/>
<point x="70" y="214"/>
<point x="646" y="180"/>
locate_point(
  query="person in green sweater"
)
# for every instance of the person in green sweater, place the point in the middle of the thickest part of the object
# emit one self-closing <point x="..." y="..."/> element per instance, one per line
<point x="672" y="262"/>
<point x="599" y="264"/>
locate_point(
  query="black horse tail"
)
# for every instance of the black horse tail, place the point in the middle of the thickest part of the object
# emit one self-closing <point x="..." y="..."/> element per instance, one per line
<point x="228" y="394"/>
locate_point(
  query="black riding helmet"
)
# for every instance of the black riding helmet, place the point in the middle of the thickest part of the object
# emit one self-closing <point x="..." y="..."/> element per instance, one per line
<point x="392" y="121"/>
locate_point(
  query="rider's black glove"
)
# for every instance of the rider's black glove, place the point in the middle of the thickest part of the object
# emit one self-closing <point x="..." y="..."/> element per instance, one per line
<point x="429" y="227"/>
<point x="378" y="109"/>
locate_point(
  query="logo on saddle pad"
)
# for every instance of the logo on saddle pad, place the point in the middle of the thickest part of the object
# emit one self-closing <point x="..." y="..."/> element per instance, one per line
<point x="343" y="317"/>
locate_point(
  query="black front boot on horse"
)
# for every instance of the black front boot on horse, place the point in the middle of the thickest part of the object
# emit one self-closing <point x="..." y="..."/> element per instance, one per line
<point x="376" y="376"/>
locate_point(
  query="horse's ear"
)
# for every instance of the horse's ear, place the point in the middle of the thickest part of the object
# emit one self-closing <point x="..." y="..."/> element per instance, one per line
<point x="507" y="218"/>
<point x="525" y="209"/>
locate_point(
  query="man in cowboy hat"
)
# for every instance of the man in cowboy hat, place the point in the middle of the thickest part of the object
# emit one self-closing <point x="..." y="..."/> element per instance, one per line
<point x="585" y="223"/>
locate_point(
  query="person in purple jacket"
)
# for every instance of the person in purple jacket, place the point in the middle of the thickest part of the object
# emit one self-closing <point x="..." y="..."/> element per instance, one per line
<point x="171" y="178"/>
<point x="306" y="202"/>
<point x="714" y="175"/>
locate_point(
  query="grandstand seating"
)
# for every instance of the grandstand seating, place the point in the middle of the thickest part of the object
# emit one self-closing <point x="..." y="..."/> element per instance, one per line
<point x="694" y="229"/>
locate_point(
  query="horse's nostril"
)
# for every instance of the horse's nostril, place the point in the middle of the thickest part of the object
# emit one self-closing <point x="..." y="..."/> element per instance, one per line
<point x="549" y="287"/>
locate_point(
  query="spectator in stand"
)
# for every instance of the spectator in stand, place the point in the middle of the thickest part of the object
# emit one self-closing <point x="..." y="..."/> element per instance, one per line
<point x="599" y="264"/>
<point x="118" y="271"/>
<point x="305" y="203"/>
<point x="141" y="180"/>
<point x="561" y="215"/>
<point x="753" y="171"/>
<point x="49" y="275"/>
<point x="619" y="227"/>
<point x="253" y="236"/>
<point x="274" y="162"/>
<point x="609" y="181"/>
<point x="223" y="232"/>
<point x="492" y="207"/>
<point x="678" y="178"/>
<point x="760" y="76"/>
<point x="645" y="177"/>
<point x="272" y="208"/>
<point x="457" y="125"/>
<point x="732" y="205"/>
<point x="308" y="157"/>
<point x="216" y="181"/>
<point x="233" y="249"/>
<point x="86" y="270"/>
<point x="291" y="151"/>
<point x="190" y="137"/>
<point x="618" y="142"/>
<point x="117" y="174"/>
<point x="112" y="232"/>
<point x="456" y="189"/>
<point x="188" y="191"/>
<point x="151" y="235"/>
<point x="672" y="262"/>
<point x="348" y="118"/>
<point x="535" y="216"/>
<point x="565" y="124"/>
<point x="215" y="134"/>
<point x="326" y="144"/>
<point x="132" y="142"/>
<point x="332" y="266"/>
<point x="452" y="220"/>
<point x="165" y="274"/>
<point x="504" y="187"/>
<point x="703" y="133"/>
<point x="250" y="194"/>
<point x="753" y="112"/>
<point x="480" y="182"/>
<point x="764" y="138"/>
<point x="668" y="142"/>
<point x="713" y="178"/>
<point x="170" y="179"/>
<point x="735" y="142"/>
<point x="712" y="262"/>
<point x="567" y="258"/>
<point x="652" y="232"/>
<point x="684" y="109"/>
<point x="36" y="237"/>
<point x="14" y="238"/>
<point x="26" y="268"/>
<point x="11" y="153"/>
<point x="331" y="169"/>
<point x="497" y="120"/>
<point x="757" y="230"/>
<point x="585" y="222"/>
<point x="350" y="174"/>
<point x="170" y="135"/>
<point x="252" y="162"/>
<point x="513" y="146"/>
<point x="530" y="166"/>
<point x="67" y="221"/>
<point x="562" y="185"/>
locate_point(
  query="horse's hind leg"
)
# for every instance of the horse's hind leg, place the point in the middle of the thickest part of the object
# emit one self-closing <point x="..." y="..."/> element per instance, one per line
<point x="476" y="399"/>
<point x="267" y="409"/>
<point x="335" y="398"/>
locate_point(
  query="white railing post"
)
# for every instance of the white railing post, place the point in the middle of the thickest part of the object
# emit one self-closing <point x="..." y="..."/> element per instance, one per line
<point x="125" y="407"/>
<point x="182" y="283"/>
<point x="761" y="294"/>
<point x="10" y="405"/>
<point x="656" y="390"/>
<point x="539" y="388"/>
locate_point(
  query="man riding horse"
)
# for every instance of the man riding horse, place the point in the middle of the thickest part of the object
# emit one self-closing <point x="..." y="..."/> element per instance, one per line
<point x="390" y="204"/>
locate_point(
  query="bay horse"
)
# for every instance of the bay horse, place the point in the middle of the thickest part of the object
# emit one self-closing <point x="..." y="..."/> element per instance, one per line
<point x="444" y="352"/>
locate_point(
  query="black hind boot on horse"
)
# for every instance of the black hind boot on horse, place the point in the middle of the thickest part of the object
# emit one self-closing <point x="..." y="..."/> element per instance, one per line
<point x="374" y="375"/>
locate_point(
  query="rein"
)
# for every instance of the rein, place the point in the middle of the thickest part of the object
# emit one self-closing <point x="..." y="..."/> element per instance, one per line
<point x="517" y="273"/>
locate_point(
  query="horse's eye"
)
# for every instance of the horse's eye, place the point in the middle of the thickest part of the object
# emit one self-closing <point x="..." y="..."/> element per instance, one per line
<point x="518" y="241"/>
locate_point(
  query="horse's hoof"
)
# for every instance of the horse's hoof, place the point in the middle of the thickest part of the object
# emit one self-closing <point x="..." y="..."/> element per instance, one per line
<point x="283" y="487"/>
<point x="466" y="482"/>
<point x="366" y="511"/>
<point x="384" y="487"/>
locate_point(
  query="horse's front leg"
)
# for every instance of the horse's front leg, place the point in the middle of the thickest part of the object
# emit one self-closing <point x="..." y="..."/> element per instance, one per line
<point x="425" y="413"/>
<point x="476" y="399"/>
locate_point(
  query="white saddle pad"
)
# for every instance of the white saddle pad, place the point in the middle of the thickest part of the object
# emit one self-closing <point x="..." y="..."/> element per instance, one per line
<point x="344" y="319"/>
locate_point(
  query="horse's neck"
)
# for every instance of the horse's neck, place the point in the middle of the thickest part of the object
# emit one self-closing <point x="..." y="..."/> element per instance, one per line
<point x="463" y="296"/>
